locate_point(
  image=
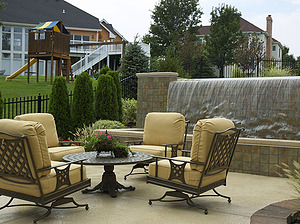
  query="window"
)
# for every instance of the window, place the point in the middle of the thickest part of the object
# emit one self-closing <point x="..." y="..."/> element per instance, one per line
<point x="274" y="48"/>
<point x="17" y="41"/>
<point x="6" y="37"/>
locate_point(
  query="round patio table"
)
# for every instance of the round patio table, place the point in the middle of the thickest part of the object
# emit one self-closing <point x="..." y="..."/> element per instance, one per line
<point x="109" y="183"/>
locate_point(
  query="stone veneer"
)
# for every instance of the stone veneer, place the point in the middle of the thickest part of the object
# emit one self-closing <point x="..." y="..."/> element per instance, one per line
<point x="152" y="93"/>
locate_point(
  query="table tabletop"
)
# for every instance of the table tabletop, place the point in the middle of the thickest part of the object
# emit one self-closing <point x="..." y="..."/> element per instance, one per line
<point x="90" y="158"/>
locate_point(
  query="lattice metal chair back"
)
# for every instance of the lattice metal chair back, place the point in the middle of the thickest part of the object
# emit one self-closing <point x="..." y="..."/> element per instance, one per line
<point x="206" y="169"/>
<point x="25" y="169"/>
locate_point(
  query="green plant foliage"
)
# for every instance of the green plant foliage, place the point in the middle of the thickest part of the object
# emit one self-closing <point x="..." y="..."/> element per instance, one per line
<point x="134" y="61"/>
<point x="275" y="72"/>
<point x="106" y="103"/>
<point x="83" y="101"/>
<point x="1" y="106"/>
<point x="116" y="77"/>
<point x="225" y="32"/>
<point x="293" y="173"/>
<point x="104" y="70"/>
<point x="107" y="124"/>
<point x="59" y="107"/>
<point x="171" y="19"/>
<point x="85" y="135"/>
<point x="129" y="111"/>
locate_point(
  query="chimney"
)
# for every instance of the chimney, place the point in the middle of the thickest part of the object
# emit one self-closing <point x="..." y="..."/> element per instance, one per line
<point x="269" y="38"/>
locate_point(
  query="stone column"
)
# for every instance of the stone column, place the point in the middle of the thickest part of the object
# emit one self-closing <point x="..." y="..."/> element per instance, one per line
<point x="152" y="93"/>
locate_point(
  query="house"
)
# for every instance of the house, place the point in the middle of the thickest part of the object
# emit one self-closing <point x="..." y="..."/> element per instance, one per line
<point x="273" y="49"/>
<point x="19" y="16"/>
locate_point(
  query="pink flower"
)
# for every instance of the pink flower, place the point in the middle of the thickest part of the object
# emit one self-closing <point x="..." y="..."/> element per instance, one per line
<point x="108" y="136"/>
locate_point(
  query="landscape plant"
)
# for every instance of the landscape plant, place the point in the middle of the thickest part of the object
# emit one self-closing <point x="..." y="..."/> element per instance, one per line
<point x="106" y="103"/>
<point x="116" y="78"/>
<point x="108" y="124"/>
<point x="1" y="106"/>
<point x="83" y="101"/>
<point x="293" y="173"/>
<point x="129" y="111"/>
<point x="224" y="35"/>
<point x="59" y="107"/>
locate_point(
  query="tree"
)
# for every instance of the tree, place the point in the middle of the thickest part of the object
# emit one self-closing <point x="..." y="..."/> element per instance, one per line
<point x="171" y="19"/>
<point x="134" y="61"/>
<point x="249" y="51"/>
<point x="83" y="101"/>
<point x="1" y="106"/>
<point x="116" y="78"/>
<point x="59" y="107"/>
<point x="224" y="35"/>
<point x="106" y="104"/>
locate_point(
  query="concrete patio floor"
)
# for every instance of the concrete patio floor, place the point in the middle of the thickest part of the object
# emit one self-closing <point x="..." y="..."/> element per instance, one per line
<point x="249" y="193"/>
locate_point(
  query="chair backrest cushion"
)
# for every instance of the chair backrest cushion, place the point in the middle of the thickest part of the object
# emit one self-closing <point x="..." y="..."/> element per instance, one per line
<point x="36" y="135"/>
<point x="47" y="120"/>
<point x="164" y="128"/>
<point x="203" y="134"/>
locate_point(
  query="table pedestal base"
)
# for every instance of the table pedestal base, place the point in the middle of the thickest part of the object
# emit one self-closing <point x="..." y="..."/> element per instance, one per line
<point x="109" y="183"/>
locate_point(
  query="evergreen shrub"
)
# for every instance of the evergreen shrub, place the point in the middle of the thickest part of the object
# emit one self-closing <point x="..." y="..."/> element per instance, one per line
<point x="106" y="103"/>
<point x="115" y="75"/>
<point x="1" y="106"/>
<point x="83" y="101"/>
<point x="59" y="107"/>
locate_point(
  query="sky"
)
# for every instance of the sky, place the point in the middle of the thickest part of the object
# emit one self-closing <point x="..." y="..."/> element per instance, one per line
<point x="133" y="17"/>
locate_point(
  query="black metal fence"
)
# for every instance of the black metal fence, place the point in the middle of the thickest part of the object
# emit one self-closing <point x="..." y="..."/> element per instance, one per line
<point x="234" y="68"/>
<point x="129" y="86"/>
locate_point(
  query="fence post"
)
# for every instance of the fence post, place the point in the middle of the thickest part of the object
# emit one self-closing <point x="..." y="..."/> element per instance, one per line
<point x="39" y="103"/>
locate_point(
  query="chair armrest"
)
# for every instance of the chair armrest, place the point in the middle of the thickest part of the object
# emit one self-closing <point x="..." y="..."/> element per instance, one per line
<point x="63" y="175"/>
<point x="186" y="153"/>
<point x="174" y="147"/>
<point x="181" y="166"/>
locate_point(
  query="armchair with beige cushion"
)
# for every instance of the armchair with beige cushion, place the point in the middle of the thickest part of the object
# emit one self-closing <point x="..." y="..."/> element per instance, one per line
<point x="164" y="135"/>
<point x="27" y="173"/>
<point x="213" y="144"/>
<point x="56" y="151"/>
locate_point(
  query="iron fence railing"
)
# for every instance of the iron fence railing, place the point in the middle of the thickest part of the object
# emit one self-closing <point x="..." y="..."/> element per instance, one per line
<point x="223" y="68"/>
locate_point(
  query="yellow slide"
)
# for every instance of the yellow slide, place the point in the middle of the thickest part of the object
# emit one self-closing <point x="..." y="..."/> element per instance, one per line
<point x="22" y="69"/>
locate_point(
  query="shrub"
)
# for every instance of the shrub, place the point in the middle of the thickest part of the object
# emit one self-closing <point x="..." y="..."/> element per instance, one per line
<point x="117" y="82"/>
<point x="293" y="173"/>
<point x="83" y="101"/>
<point x="129" y="111"/>
<point x="275" y="71"/>
<point x="107" y="124"/>
<point x="1" y="106"/>
<point x="59" y="107"/>
<point x="106" y="104"/>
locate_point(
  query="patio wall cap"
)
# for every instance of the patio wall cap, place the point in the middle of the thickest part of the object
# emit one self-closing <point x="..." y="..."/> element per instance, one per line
<point x="138" y="132"/>
<point x="157" y="74"/>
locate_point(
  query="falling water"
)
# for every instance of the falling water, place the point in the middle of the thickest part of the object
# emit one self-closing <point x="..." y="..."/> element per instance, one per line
<point x="264" y="107"/>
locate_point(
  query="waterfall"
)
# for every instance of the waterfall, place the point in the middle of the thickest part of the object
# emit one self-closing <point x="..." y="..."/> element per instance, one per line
<point x="263" y="107"/>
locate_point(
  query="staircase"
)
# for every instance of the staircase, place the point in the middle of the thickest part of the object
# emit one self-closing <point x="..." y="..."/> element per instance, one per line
<point x="90" y="60"/>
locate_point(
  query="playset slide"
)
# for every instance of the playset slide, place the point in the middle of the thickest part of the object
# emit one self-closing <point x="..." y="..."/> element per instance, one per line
<point x="22" y="69"/>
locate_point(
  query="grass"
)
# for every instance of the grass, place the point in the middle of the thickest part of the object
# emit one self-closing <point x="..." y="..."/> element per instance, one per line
<point x="18" y="86"/>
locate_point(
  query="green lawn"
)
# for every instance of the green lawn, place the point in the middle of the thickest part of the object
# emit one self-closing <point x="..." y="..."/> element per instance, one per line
<point x="18" y="86"/>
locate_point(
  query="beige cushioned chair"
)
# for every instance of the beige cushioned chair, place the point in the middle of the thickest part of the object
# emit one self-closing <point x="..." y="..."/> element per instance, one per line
<point x="27" y="173"/>
<point x="56" y="151"/>
<point x="164" y="134"/>
<point x="213" y="144"/>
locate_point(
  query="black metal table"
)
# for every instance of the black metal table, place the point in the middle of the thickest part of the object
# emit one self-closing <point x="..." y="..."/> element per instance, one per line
<point x="109" y="183"/>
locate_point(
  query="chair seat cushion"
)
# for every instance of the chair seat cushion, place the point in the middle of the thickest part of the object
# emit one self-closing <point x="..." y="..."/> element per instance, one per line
<point x="155" y="150"/>
<point x="57" y="153"/>
<point x="191" y="176"/>
<point x="48" y="182"/>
